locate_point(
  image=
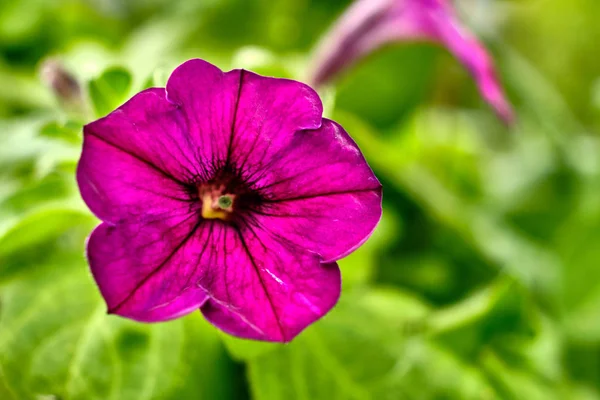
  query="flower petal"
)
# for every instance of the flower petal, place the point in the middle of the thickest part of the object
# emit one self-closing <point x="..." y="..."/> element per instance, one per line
<point x="270" y="112"/>
<point x="465" y="46"/>
<point x="368" y="25"/>
<point x="325" y="196"/>
<point x="209" y="99"/>
<point x="135" y="159"/>
<point x="238" y="116"/>
<point x="266" y="288"/>
<point x="148" y="270"/>
<point x="316" y="163"/>
<point x="332" y="226"/>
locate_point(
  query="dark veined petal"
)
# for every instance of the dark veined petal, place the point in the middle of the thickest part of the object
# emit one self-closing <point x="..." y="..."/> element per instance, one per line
<point x="209" y="99"/>
<point x="270" y="112"/>
<point x="324" y="195"/>
<point x="148" y="270"/>
<point x="134" y="160"/>
<point x="262" y="287"/>
<point x="239" y="116"/>
<point x="332" y="226"/>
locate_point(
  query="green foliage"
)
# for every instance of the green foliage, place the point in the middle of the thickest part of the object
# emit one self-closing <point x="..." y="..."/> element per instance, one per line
<point x="109" y="90"/>
<point x="325" y="362"/>
<point x="481" y="282"/>
<point x="52" y="345"/>
<point x="34" y="229"/>
<point x="70" y="131"/>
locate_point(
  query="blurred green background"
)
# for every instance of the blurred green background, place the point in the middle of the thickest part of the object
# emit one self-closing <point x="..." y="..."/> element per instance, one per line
<point x="481" y="282"/>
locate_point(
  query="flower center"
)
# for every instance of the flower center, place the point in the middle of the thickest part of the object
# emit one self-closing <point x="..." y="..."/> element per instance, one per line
<point x="215" y="203"/>
<point x="227" y="196"/>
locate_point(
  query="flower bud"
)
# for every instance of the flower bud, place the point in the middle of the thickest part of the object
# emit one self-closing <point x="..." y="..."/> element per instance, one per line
<point x="62" y="83"/>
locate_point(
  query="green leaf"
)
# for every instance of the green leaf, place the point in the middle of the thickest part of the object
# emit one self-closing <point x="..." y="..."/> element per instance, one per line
<point x="42" y="237"/>
<point x="69" y="132"/>
<point x="264" y="62"/>
<point x="495" y="312"/>
<point x="359" y="267"/>
<point x="109" y="90"/>
<point x="431" y="372"/>
<point x="5" y="392"/>
<point x="41" y="226"/>
<point x="398" y="77"/>
<point x="578" y="246"/>
<point x="244" y="350"/>
<point x="351" y="353"/>
<point x="402" y="163"/>
<point x="53" y="186"/>
<point x="56" y="339"/>
<point x="518" y="384"/>
<point x="158" y="78"/>
<point x="16" y="158"/>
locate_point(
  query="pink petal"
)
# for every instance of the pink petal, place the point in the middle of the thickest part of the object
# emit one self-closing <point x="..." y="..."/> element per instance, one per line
<point x="368" y="25"/>
<point x="147" y="270"/>
<point x="135" y="159"/>
<point x="270" y="112"/>
<point x="264" y="287"/>
<point x="209" y="99"/>
<point x="476" y="59"/>
<point x="329" y="205"/>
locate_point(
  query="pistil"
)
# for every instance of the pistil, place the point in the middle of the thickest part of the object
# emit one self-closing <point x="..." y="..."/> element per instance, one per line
<point x="216" y="205"/>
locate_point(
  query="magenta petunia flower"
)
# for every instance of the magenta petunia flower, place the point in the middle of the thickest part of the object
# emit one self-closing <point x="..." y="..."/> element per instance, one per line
<point x="370" y="24"/>
<point x="228" y="193"/>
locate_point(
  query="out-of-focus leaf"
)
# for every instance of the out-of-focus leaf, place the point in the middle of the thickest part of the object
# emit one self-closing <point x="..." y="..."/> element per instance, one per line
<point x="484" y="228"/>
<point x="25" y="155"/>
<point x="359" y="266"/>
<point x="158" y="78"/>
<point x="50" y="188"/>
<point x="397" y="308"/>
<point x="5" y="392"/>
<point x="48" y="235"/>
<point x="19" y="146"/>
<point x="351" y="353"/>
<point x="554" y="23"/>
<point x="20" y="90"/>
<point x="264" y="62"/>
<point x="499" y="311"/>
<point x="70" y="131"/>
<point x="431" y="372"/>
<point x="518" y="384"/>
<point x="390" y="85"/>
<point x="40" y="226"/>
<point x="154" y="47"/>
<point x="243" y="350"/>
<point x="109" y="90"/>
<point x="578" y="246"/>
<point x="56" y="339"/>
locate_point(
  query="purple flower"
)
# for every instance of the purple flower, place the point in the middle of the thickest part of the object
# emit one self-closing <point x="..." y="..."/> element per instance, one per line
<point x="226" y="192"/>
<point x="370" y="24"/>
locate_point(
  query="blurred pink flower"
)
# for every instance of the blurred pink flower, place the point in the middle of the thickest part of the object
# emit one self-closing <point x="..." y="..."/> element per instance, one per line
<point x="368" y="25"/>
